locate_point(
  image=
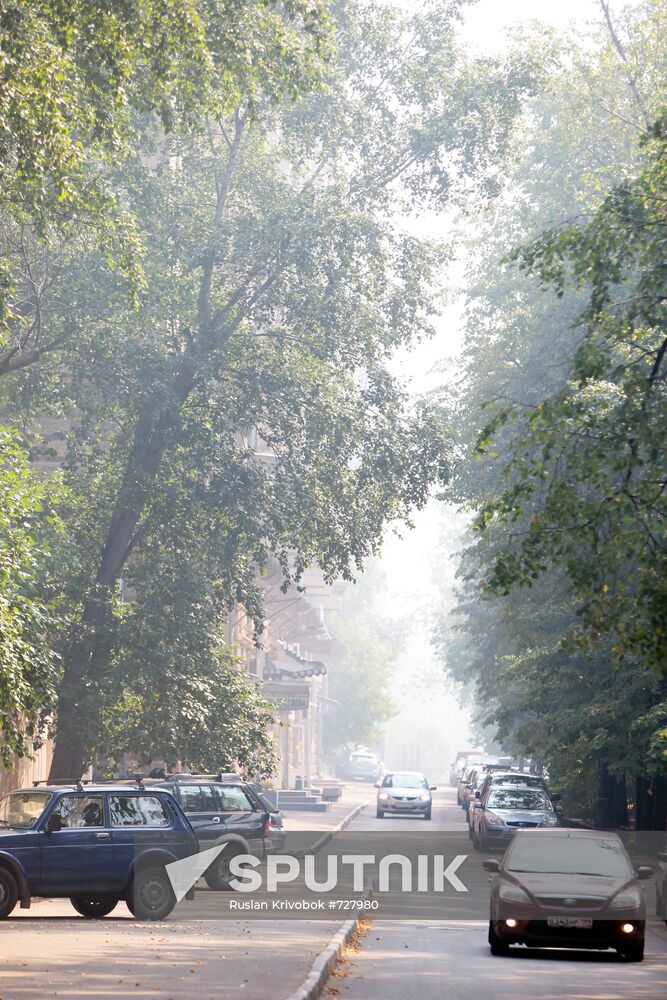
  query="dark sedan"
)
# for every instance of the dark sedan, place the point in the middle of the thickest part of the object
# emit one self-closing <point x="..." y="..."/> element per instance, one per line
<point x="567" y="889"/>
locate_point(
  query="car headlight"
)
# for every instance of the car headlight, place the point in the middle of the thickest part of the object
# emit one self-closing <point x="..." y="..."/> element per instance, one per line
<point x="513" y="894"/>
<point x="383" y="796"/>
<point x="493" y="820"/>
<point x="629" y="899"/>
<point x="549" y="821"/>
<point x="424" y="796"/>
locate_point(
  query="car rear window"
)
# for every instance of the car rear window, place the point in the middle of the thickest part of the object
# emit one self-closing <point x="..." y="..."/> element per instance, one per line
<point x="137" y="810"/>
<point x="404" y="781"/>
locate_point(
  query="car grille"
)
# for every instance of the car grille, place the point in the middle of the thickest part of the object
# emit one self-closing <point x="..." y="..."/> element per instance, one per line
<point x="521" y="823"/>
<point x="580" y="903"/>
<point x="404" y="798"/>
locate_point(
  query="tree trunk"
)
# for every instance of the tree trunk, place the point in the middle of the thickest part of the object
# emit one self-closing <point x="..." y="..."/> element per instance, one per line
<point x="86" y="665"/>
<point x="612" y="804"/>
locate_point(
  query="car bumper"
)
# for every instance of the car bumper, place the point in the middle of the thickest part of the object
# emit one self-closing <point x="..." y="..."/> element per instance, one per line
<point x="603" y="934"/>
<point x="404" y="807"/>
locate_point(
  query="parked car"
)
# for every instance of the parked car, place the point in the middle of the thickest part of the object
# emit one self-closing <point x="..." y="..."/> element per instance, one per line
<point x="502" y="779"/>
<point x="95" y="844"/>
<point x="475" y="777"/>
<point x="459" y="764"/>
<point x="362" y="765"/>
<point x="405" y="792"/>
<point x="509" y="808"/>
<point x="223" y="811"/>
<point x="567" y="889"/>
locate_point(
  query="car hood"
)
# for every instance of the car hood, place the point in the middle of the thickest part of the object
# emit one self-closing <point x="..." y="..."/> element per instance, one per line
<point x="14" y="838"/>
<point x="522" y="815"/>
<point x="544" y="884"/>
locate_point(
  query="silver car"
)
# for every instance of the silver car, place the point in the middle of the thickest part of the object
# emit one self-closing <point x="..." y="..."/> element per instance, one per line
<point x="509" y="808"/>
<point x="405" y="792"/>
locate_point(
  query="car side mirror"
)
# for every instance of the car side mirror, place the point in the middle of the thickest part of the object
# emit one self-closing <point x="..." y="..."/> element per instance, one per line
<point x="558" y="810"/>
<point x="491" y="865"/>
<point x="557" y="797"/>
<point x="54" y="824"/>
<point x="644" y="872"/>
<point x="433" y="788"/>
<point x="477" y="796"/>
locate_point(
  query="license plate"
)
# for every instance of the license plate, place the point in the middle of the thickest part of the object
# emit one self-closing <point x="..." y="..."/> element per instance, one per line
<point x="581" y="923"/>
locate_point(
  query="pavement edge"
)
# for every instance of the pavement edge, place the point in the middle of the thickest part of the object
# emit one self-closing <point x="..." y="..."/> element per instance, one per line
<point x="328" y="834"/>
<point x="325" y="963"/>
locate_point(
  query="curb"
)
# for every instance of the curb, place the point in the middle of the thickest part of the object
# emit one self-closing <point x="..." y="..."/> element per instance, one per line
<point x="326" y="961"/>
<point x="328" y="834"/>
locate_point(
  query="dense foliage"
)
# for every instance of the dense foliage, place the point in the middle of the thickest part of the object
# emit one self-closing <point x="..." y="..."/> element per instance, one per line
<point x="562" y="410"/>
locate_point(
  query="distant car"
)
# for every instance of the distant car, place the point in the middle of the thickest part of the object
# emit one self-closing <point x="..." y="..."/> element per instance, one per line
<point x="458" y="765"/>
<point x="508" y="808"/>
<point x="405" y="792"/>
<point x="567" y="889"/>
<point x="223" y="811"/>
<point x="93" y="844"/>
<point x="363" y="766"/>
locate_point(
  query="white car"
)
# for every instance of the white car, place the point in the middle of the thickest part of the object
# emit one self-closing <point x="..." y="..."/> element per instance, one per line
<point x="405" y="792"/>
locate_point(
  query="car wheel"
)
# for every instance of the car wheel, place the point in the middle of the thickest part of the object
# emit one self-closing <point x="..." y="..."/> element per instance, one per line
<point x="497" y="945"/>
<point x="9" y="893"/>
<point x="219" y="875"/>
<point x="482" y="844"/>
<point x="427" y="814"/>
<point x="93" y="907"/>
<point x="475" y="841"/>
<point x="151" y="896"/>
<point x="380" y="813"/>
<point x="633" y="952"/>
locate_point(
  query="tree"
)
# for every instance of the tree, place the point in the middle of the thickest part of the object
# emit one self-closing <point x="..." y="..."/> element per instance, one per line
<point x="247" y="408"/>
<point x="74" y="78"/>
<point x="360" y="676"/>
<point x="30" y="613"/>
<point x="551" y="403"/>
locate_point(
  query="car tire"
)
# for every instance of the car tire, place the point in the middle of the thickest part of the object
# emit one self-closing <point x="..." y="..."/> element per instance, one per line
<point x="475" y="840"/>
<point x="428" y="813"/>
<point x="151" y="896"/>
<point x="380" y="813"/>
<point x="93" y="907"/>
<point x="496" y="944"/>
<point x="218" y="876"/>
<point x="483" y="846"/>
<point x="9" y="893"/>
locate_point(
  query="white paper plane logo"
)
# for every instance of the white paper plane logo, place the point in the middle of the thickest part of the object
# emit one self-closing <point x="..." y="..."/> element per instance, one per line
<point x="184" y="873"/>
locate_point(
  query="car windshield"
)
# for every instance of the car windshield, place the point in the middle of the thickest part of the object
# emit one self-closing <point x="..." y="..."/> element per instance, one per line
<point x="517" y="798"/>
<point x="603" y="856"/>
<point x="22" y="810"/>
<point x="530" y="780"/>
<point x="405" y="781"/>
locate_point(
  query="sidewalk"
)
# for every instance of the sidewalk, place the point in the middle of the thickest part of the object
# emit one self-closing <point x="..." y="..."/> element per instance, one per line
<point x="48" y="952"/>
<point x="354" y="795"/>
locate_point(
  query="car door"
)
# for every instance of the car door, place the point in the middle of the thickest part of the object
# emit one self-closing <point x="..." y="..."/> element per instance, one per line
<point x="78" y="857"/>
<point x="243" y="816"/>
<point x="139" y="822"/>
<point x="203" y="808"/>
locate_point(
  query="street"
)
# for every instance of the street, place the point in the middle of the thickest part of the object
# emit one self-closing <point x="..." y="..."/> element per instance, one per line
<point x="399" y="959"/>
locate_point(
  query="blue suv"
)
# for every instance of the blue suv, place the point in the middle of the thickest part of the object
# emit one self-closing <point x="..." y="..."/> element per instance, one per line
<point x="94" y="843"/>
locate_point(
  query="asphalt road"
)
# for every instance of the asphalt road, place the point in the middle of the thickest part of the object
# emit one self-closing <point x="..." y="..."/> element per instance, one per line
<point x="432" y="960"/>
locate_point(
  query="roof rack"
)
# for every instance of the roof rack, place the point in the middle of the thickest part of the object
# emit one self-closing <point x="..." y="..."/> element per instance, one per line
<point x="188" y="776"/>
<point x="79" y="783"/>
<point x="75" y="782"/>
